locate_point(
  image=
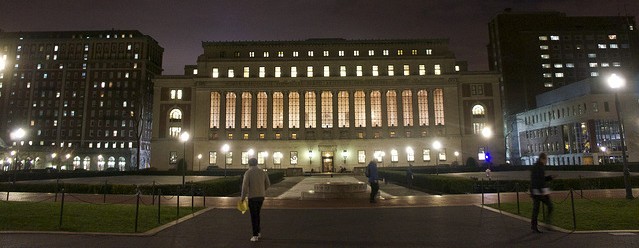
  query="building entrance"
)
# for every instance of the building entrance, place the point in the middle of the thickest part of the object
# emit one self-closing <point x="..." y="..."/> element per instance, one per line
<point x="327" y="162"/>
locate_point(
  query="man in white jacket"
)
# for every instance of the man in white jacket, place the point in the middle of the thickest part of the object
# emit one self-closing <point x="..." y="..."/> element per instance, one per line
<point x="254" y="187"/>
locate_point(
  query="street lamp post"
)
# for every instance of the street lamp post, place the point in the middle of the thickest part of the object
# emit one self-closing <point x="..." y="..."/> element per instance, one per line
<point x="437" y="145"/>
<point x="615" y="82"/>
<point x="225" y="150"/>
<point x="344" y="155"/>
<point x="487" y="132"/>
<point x="456" y="156"/>
<point x="310" y="157"/>
<point x="184" y="137"/>
<point x="199" y="162"/>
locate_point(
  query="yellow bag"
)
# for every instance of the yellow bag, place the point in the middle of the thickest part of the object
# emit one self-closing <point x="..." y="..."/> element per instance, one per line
<point x="242" y="206"/>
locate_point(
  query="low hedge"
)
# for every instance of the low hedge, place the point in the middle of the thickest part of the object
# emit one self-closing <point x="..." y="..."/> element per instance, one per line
<point x="217" y="187"/>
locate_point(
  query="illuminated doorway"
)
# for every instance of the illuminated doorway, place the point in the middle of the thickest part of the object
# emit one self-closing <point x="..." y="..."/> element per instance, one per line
<point x="327" y="162"/>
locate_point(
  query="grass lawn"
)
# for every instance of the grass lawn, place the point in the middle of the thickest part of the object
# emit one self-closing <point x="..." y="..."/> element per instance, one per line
<point x="595" y="214"/>
<point x="83" y="217"/>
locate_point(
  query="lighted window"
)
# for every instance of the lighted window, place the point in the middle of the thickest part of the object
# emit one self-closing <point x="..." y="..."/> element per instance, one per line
<point x="426" y="155"/>
<point x="543" y="37"/>
<point x="309" y="71"/>
<point x="251" y="54"/>
<point x="327" y="71"/>
<point x="592" y="65"/>
<point x="391" y="70"/>
<point x="376" y="109"/>
<point x="413" y="52"/>
<point x="605" y="64"/>
<point x="592" y="55"/>
<point x="429" y="51"/>
<point x="293" y="110"/>
<point x="247" y="71"/>
<point x="543" y="47"/>
<point x="310" y="110"/>
<point x="407" y="107"/>
<point x="231" y="73"/>
<point x="559" y="65"/>
<point x="422" y="104"/>
<point x="278" y="110"/>
<point x="371" y="52"/>
<point x="327" y="109"/>
<point x="278" y="71"/>
<point x="246" y="110"/>
<point x="422" y="70"/>
<point x="614" y="46"/>
<point x="310" y="53"/>
<point x="325" y="53"/>
<point x="406" y="70"/>
<point x="602" y="46"/>
<point x="361" y="156"/>
<point x="546" y="66"/>
<point x="358" y="71"/>
<point x="554" y="37"/>
<point x="548" y="85"/>
<point x="360" y="109"/>
<point x="545" y="56"/>
<point x="215" y="72"/>
<point x="262" y="111"/>
<point x="262" y="71"/>
<point x="342" y="109"/>
<point x="438" y="102"/>
<point x="175" y="132"/>
<point x="437" y="69"/>
<point x="612" y="36"/>
<point x="230" y="109"/>
<point x="375" y="71"/>
<point x="547" y="75"/>
<point x="616" y="64"/>
<point x="293" y="71"/>
<point x="342" y="71"/>
<point x="340" y="53"/>
<point x="385" y="52"/>
<point x="266" y="54"/>
<point x="280" y="54"/>
<point x="215" y="110"/>
<point x="400" y="52"/>
<point x="594" y="74"/>
<point x="356" y="53"/>
<point x="391" y="108"/>
<point x="570" y="65"/>
<point x="175" y="115"/>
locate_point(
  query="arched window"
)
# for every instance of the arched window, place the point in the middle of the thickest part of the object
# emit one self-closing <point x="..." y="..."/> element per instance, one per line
<point x="246" y="109"/>
<point x="86" y="164"/>
<point x="342" y="109"/>
<point x="100" y="163"/>
<point x="111" y="163"/>
<point x="293" y="110"/>
<point x="76" y="162"/>
<point x="122" y="163"/>
<point x="230" y="109"/>
<point x="327" y="109"/>
<point x="478" y="111"/>
<point x="310" y="111"/>
<point x="278" y="110"/>
<point x="422" y="104"/>
<point x="391" y="107"/>
<point x="407" y="107"/>
<point x="262" y="111"/>
<point x="360" y="109"/>
<point x="478" y="118"/>
<point x="376" y="109"/>
<point x="175" y="115"/>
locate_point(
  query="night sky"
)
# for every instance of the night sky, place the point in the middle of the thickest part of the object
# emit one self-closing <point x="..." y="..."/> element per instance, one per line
<point x="181" y="25"/>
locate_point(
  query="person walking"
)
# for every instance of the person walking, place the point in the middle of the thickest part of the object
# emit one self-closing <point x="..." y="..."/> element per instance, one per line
<point x="409" y="176"/>
<point x="254" y="187"/>
<point x="539" y="191"/>
<point x="373" y="177"/>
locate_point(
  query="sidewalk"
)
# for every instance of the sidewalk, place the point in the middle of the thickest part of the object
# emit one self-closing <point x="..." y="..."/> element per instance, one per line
<point x="397" y="221"/>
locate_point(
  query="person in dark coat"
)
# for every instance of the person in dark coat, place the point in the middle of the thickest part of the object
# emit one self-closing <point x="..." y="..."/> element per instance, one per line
<point x="539" y="191"/>
<point x="373" y="177"/>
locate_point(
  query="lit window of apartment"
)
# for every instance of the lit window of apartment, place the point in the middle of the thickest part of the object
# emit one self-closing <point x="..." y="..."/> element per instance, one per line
<point x="543" y="47"/>
<point x="591" y="65"/>
<point x="356" y="53"/>
<point x="602" y="46"/>
<point x="342" y="109"/>
<point x="554" y="37"/>
<point x="327" y="71"/>
<point x="457" y="68"/>
<point x="594" y="74"/>
<point x="605" y="64"/>
<point x="616" y="64"/>
<point x="592" y="55"/>
<point x="437" y="69"/>
<point x="559" y="74"/>
<point x="293" y="71"/>
<point x="325" y="53"/>
<point x="391" y="70"/>
<point x="278" y="110"/>
<point x="547" y="75"/>
<point x="231" y="73"/>
<point x="406" y="70"/>
<point x="296" y="54"/>
<point x="340" y="53"/>
<point x="413" y="52"/>
<point x="559" y="65"/>
<point x="422" y="70"/>
<point x="342" y="71"/>
<point x="358" y="70"/>
<point x="429" y="51"/>
<point x="309" y="71"/>
<point x="194" y="72"/>
<point x="543" y="37"/>
<point x="327" y="109"/>
<point x="375" y="71"/>
<point x="614" y="46"/>
<point x="247" y="71"/>
<point x="215" y="72"/>
<point x="236" y="54"/>
<point x="280" y="54"/>
<point x="176" y="94"/>
<point x="310" y="53"/>
<point x="310" y="108"/>
<point x="570" y="65"/>
<point x="262" y="71"/>
<point x="545" y="56"/>
<point x="371" y="52"/>
<point x="400" y="52"/>
<point x="548" y="85"/>
<point x="612" y="36"/>
<point x="385" y="52"/>
<point x="266" y="54"/>
<point x="278" y="71"/>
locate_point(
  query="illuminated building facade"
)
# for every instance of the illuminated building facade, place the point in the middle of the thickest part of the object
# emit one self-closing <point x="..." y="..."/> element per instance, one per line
<point x="83" y="98"/>
<point x="323" y="104"/>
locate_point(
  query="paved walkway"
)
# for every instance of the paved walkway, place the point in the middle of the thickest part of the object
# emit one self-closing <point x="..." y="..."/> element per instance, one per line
<point x="400" y="220"/>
